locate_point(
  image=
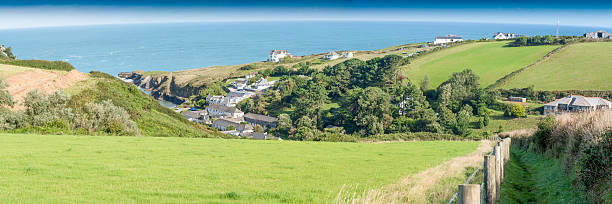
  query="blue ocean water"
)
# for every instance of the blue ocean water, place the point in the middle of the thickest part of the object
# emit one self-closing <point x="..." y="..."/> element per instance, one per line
<point x="169" y="47"/>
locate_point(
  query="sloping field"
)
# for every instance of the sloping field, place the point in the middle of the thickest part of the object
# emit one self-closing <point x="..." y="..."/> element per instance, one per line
<point x="490" y="60"/>
<point x="77" y="169"/>
<point x="582" y="66"/>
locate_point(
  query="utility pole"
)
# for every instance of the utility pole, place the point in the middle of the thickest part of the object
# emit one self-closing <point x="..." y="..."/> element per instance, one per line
<point x="557" y="35"/>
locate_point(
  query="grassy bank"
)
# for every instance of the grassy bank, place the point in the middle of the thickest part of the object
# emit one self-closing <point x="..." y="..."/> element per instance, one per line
<point x="580" y="66"/>
<point x="41" y="64"/>
<point x="59" y="169"/>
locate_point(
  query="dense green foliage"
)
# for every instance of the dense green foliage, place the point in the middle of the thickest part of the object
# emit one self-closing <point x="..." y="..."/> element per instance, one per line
<point x="195" y="170"/>
<point x="151" y="118"/>
<point x="7" y="54"/>
<point x="41" y="64"/>
<point x="541" y="40"/>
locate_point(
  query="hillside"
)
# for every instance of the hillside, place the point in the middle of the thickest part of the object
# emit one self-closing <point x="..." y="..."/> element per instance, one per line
<point x="151" y="118"/>
<point x="580" y="66"/>
<point x="490" y="60"/>
<point x="169" y="170"/>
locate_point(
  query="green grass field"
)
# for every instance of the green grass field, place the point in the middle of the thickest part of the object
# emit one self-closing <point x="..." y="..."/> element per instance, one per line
<point x="60" y="169"/>
<point x="490" y="60"/>
<point x="582" y="66"/>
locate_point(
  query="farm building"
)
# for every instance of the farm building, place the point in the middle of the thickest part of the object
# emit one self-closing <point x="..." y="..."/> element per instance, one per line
<point x="216" y="110"/>
<point x="447" y="39"/>
<point x="262" y="120"/>
<point x="347" y="54"/>
<point x="278" y="55"/>
<point x="517" y="99"/>
<point x="601" y="34"/>
<point x="331" y="56"/>
<point x="503" y="36"/>
<point x="576" y="103"/>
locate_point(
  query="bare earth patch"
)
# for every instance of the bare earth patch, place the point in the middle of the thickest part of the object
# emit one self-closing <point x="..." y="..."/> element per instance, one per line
<point x="412" y="189"/>
<point x="45" y="81"/>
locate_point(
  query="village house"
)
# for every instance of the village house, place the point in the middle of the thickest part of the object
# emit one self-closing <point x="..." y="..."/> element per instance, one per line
<point x="261" y="120"/>
<point x="576" y="103"/>
<point x="250" y="75"/>
<point x="239" y="83"/>
<point x="197" y="116"/>
<point x="278" y="55"/>
<point x="331" y="56"/>
<point x="216" y="110"/>
<point x="447" y="39"/>
<point x="504" y="36"/>
<point x="601" y="34"/>
<point x="347" y="54"/>
<point x="225" y="124"/>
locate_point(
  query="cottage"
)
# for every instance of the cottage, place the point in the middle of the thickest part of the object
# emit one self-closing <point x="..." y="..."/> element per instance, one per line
<point x="278" y="55"/>
<point x="216" y="110"/>
<point x="225" y="124"/>
<point x="576" y="103"/>
<point x="262" y="120"/>
<point x="504" y="36"/>
<point x="331" y="56"/>
<point x="197" y="116"/>
<point x="447" y="39"/>
<point x="250" y="75"/>
<point x="347" y="54"/>
<point x="601" y="34"/>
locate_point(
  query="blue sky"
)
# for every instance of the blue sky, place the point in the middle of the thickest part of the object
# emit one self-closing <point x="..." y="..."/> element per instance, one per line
<point x="40" y="13"/>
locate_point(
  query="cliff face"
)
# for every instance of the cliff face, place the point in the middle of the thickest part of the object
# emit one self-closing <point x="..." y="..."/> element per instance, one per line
<point x="164" y="87"/>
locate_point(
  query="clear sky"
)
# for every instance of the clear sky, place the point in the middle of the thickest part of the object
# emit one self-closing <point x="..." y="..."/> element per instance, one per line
<point x="40" y="13"/>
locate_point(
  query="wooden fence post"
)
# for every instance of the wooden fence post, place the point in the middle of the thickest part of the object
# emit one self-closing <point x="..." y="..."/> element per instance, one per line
<point x="469" y="194"/>
<point x="501" y="161"/>
<point x="489" y="179"/>
<point x="497" y="171"/>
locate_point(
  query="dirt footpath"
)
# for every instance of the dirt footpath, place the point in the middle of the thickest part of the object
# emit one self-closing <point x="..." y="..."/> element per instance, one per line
<point x="46" y="81"/>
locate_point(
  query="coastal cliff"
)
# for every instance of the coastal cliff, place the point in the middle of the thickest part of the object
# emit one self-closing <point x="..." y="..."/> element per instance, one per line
<point x="164" y="86"/>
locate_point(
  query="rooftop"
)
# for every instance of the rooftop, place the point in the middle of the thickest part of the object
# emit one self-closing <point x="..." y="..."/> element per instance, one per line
<point x="260" y="117"/>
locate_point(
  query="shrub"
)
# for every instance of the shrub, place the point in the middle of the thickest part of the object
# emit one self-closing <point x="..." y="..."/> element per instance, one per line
<point x="247" y="67"/>
<point x="106" y="117"/>
<point x="518" y="111"/>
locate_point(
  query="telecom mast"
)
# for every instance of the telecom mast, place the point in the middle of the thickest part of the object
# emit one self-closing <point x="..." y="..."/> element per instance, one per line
<point x="557" y="35"/>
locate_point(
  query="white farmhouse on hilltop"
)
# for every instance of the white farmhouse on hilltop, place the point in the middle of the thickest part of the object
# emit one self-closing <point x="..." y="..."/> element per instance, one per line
<point x="331" y="56"/>
<point x="347" y="54"/>
<point x="601" y="34"/>
<point x="503" y="36"/>
<point x="278" y="55"/>
<point x="447" y="39"/>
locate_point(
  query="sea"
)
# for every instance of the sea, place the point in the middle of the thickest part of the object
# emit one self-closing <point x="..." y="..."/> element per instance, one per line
<point x="177" y="46"/>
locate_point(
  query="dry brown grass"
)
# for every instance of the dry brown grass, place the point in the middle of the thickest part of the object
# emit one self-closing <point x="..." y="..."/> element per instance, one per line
<point x="412" y="189"/>
<point x="587" y="126"/>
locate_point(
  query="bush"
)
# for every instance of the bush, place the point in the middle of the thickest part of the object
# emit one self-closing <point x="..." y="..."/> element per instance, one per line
<point x="247" y="67"/>
<point x="106" y="117"/>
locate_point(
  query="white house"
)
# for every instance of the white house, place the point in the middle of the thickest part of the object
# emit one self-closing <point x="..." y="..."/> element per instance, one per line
<point x="331" y="56"/>
<point x="278" y="55"/>
<point x="239" y="83"/>
<point x="224" y="124"/>
<point x="576" y="103"/>
<point x="601" y="34"/>
<point x="347" y="54"/>
<point x="503" y="36"/>
<point x="447" y="39"/>
<point x="216" y="110"/>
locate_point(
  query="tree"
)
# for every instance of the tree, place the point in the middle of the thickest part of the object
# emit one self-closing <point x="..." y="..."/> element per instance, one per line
<point x="486" y="119"/>
<point x="304" y="121"/>
<point x="448" y="119"/>
<point x="481" y="123"/>
<point x="247" y="105"/>
<point x="284" y="122"/>
<point x="258" y="129"/>
<point x="463" y="121"/>
<point x="518" y="111"/>
<point x="366" y="111"/>
<point x="309" y="99"/>
<point x="425" y="83"/>
<point x="459" y="89"/>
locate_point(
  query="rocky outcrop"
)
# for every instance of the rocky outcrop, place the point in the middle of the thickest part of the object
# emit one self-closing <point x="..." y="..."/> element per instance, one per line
<point x="164" y="87"/>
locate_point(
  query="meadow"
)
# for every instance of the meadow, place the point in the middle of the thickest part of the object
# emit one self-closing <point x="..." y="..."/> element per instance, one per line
<point x="489" y="60"/>
<point x="581" y="66"/>
<point x="102" y="169"/>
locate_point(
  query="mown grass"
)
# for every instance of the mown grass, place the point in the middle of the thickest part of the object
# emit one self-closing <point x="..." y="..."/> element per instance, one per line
<point x="533" y="178"/>
<point x="103" y="169"/>
<point x="508" y="123"/>
<point x="581" y="66"/>
<point x="489" y="60"/>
